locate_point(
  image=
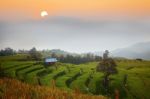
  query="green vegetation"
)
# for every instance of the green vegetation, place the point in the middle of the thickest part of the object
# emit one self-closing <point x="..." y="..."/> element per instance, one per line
<point x="108" y="67"/>
<point x="88" y="81"/>
<point x="14" y="89"/>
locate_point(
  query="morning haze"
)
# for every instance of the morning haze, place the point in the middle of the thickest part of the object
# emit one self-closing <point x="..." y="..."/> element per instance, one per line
<point x="74" y="49"/>
<point x="93" y="26"/>
<point x="73" y="34"/>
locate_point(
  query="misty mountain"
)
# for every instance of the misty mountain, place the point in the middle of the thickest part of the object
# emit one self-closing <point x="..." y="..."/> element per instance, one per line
<point x="58" y="52"/>
<point x="139" y="50"/>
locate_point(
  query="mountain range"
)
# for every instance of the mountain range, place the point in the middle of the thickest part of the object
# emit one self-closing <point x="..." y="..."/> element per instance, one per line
<point x="138" y="50"/>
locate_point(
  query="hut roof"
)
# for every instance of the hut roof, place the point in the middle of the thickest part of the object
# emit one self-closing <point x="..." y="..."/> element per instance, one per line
<point x="51" y="60"/>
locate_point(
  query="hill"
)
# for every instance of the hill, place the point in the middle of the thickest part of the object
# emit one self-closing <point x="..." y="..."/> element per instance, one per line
<point x="139" y="50"/>
<point x="14" y="89"/>
<point x="81" y="77"/>
<point x="58" y="52"/>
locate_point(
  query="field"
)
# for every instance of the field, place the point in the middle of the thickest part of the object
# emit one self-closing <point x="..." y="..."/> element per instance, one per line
<point x="20" y="90"/>
<point x="82" y="77"/>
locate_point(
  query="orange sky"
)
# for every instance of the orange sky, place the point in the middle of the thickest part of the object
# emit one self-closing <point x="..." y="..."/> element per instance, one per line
<point x="32" y="8"/>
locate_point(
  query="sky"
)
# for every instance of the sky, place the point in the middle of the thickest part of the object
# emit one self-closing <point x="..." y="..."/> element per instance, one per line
<point x="74" y="25"/>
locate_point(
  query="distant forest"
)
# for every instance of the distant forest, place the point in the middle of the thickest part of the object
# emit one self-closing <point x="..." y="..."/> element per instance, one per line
<point x="62" y="56"/>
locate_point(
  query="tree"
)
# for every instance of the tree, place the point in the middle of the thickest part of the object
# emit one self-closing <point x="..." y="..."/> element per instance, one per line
<point x="35" y="55"/>
<point x="53" y="55"/>
<point x="98" y="58"/>
<point x="7" y="51"/>
<point x="108" y="67"/>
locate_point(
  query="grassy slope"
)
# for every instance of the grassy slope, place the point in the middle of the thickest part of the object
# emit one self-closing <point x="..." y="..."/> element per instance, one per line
<point x="13" y="89"/>
<point x="138" y="77"/>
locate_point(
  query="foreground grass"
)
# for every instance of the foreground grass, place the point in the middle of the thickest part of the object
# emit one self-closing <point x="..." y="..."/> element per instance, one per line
<point x="14" y="89"/>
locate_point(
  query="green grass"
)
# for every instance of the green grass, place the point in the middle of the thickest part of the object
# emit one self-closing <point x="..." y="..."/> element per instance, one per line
<point x="138" y="82"/>
<point x="23" y="73"/>
<point x="11" y="71"/>
<point x="18" y="57"/>
<point x="46" y="80"/>
<point x="32" y="78"/>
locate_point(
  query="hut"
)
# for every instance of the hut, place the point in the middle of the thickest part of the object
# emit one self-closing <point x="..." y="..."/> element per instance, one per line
<point x="50" y="61"/>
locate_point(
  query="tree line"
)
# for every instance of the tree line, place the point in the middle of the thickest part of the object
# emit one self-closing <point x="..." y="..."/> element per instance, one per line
<point x="34" y="54"/>
<point x="7" y="52"/>
<point x="78" y="59"/>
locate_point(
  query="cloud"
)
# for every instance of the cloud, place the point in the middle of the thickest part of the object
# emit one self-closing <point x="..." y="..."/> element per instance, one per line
<point x="73" y="34"/>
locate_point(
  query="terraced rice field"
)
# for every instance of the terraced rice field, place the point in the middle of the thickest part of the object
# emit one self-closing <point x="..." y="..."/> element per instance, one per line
<point x="84" y="77"/>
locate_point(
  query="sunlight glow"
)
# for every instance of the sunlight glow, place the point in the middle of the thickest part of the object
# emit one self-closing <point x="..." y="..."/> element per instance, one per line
<point x="44" y="13"/>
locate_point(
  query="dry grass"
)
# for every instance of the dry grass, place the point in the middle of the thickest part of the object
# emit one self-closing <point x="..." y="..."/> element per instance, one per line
<point x="14" y="89"/>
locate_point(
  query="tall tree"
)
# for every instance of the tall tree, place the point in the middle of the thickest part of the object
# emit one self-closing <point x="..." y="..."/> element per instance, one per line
<point x="35" y="55"/>
<point x="108" y="67"/>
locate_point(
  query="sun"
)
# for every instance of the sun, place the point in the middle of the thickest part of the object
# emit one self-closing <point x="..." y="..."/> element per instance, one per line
<point x="44" y="13"/>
